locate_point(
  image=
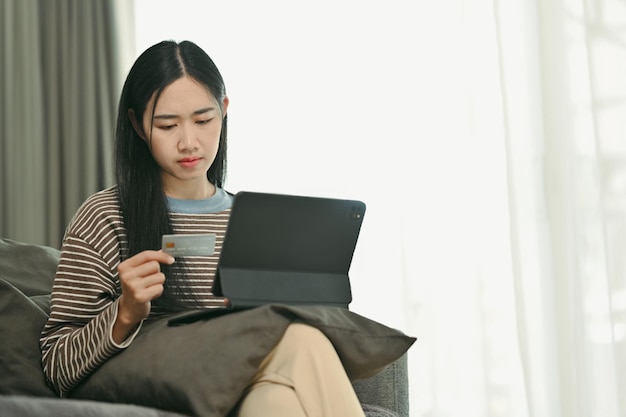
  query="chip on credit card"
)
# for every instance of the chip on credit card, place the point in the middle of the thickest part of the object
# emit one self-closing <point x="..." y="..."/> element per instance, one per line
<point x="201" y="244"/>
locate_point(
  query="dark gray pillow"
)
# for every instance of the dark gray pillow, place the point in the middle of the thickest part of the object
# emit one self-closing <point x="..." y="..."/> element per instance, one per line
<point x="203" y="367"/>
<point x="21" y="321"/>
<point x="26" y="277"/>
<point x="29" y="268"/>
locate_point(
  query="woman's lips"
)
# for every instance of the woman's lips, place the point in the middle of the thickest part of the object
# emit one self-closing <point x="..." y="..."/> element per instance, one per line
<point x="189" y="162"/>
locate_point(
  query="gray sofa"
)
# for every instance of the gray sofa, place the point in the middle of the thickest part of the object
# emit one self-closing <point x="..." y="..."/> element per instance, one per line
<point x="26" y="275"/>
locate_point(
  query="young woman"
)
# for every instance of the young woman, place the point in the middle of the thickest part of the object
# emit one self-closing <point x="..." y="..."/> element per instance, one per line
<point x="113" y="282"/>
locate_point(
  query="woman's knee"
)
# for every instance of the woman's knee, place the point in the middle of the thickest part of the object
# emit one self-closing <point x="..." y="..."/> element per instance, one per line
<point x="300" y="345"/>
<point x="303" y="337"/>
<point x="302" y="348"/>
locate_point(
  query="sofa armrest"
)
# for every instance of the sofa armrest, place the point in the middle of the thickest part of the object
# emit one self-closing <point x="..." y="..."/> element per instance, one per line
<point x="388" y="389"/>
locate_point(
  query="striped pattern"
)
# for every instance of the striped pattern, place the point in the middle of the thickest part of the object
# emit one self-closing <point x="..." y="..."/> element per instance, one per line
<point x="77" y="337"/>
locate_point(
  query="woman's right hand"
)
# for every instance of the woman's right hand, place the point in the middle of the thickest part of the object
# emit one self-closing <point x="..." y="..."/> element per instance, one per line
<point x="142" y="281"/>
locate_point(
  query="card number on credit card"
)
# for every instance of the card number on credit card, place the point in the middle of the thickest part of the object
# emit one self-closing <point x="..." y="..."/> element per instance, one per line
<point x="189" y="245"/>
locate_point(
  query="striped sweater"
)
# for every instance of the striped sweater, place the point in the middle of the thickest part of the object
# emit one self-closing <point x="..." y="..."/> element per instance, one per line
<point x="77" y="337"/>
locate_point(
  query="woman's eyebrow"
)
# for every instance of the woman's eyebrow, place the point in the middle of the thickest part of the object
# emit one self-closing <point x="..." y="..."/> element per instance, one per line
<point x="205" y="110"/>
<point x="174" y="116"/>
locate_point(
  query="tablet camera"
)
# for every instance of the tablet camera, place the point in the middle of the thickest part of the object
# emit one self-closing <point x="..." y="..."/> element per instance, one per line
<point x="356" y="213"/>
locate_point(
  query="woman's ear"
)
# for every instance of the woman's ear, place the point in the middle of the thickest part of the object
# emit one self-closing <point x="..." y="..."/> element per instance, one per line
<point x="136" y="124"/>
<point x="224" y="106"/>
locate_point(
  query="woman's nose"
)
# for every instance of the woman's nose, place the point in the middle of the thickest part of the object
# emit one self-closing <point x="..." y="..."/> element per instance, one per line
<point x="187" y="139"/>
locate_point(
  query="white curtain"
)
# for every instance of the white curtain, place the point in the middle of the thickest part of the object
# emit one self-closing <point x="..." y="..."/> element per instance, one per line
<point x="488" y="139"/>
<point x="563" y="72"/>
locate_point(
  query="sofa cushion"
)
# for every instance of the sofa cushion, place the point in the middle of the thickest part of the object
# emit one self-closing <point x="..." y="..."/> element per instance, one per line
<point x="23" y="406"/>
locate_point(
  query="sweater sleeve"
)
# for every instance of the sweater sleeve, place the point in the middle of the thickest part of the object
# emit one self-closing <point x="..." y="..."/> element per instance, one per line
<point x="77" y="337"/>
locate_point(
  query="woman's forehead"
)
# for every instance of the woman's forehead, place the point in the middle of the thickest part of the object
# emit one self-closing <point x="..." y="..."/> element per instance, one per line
<point x="183" y="94"/>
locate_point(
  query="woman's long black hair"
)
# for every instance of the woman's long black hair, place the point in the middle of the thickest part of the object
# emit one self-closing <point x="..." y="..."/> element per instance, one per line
<point x="138" y="176"/>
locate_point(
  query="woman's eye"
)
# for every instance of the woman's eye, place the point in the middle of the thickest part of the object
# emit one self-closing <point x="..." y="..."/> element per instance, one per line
<point x="203" y="121"/>
<point x="166" y="127"/>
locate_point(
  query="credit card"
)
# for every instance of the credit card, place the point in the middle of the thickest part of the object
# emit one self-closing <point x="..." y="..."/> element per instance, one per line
<point x="189" y="244"/>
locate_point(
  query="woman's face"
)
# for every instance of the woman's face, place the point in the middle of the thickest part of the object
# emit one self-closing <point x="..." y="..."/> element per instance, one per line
<point x="184" y="137"/>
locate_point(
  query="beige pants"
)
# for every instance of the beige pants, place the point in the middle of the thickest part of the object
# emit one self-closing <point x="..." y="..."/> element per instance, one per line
<point x="302" y="376"/>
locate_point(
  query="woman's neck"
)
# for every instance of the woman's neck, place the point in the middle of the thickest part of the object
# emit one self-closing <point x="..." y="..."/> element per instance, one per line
<point x="190" y="190"/>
